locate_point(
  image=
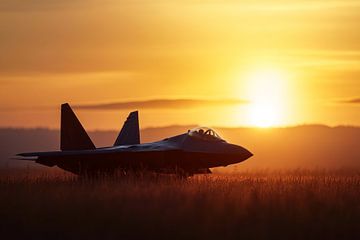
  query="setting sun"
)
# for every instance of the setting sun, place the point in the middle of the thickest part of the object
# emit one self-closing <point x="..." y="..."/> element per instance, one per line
<point x="266" y="90"/>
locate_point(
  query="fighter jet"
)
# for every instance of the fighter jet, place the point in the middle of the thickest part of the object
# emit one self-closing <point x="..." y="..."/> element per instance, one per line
<point x="193" y="152"/>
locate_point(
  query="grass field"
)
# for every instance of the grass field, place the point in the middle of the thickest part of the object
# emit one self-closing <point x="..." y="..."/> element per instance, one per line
<point x="252" y="205"/>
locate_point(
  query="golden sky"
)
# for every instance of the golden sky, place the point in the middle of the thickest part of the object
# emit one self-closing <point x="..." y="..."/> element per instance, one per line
<point x="217" y="63"/>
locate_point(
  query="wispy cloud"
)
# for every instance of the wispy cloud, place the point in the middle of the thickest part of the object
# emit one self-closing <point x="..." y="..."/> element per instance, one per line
<point x="161" y="104"/>
<point x="264" y="5"/>
<point x="351" y="101"/>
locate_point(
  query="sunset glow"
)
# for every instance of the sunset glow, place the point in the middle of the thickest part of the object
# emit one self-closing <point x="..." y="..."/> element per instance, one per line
<point x="267" y="97"/>
<point x="119" y="52"/>
<point x="180" y="119"/>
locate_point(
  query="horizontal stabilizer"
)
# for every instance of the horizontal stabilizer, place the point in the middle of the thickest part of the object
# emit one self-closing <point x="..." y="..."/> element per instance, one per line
<point x="21" y="157"/>
<point x="73" y="134"/>
<point x="130" y="132"/>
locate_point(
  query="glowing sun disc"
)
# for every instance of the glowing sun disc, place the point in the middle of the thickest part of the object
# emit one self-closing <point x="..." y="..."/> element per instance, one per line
<point x="266" y="89"/>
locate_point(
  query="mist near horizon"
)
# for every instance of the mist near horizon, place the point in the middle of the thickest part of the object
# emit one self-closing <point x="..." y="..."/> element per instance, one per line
<point x="304" y="147"/>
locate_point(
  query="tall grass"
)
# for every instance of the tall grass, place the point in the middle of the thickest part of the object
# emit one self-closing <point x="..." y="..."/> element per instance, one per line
<point x="298" y="204"/>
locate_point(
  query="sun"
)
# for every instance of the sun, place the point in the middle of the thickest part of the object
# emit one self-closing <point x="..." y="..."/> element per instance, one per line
<point x="267" y="95"/>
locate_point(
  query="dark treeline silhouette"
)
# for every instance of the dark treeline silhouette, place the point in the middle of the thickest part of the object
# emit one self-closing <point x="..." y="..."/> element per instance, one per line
<point x="309" y="146"/>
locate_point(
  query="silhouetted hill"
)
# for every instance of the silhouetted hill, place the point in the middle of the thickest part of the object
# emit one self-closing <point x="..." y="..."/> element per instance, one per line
<point x="308" y="146"/>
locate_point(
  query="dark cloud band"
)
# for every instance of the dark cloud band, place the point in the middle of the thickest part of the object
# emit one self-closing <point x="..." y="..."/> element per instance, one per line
<point x="351" y="101"/>
<point x="161" y="104"/>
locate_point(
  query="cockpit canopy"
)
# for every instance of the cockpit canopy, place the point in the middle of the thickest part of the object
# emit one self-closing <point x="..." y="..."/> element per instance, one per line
<point x="205" y="133"/>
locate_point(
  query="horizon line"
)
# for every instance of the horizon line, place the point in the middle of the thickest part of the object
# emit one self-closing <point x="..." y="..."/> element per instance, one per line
<point x="192" y="126"/>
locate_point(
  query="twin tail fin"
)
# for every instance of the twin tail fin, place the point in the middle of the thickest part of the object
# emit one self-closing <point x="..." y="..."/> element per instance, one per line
<point x="73" y="134"/>
<point x="130" y="132"/>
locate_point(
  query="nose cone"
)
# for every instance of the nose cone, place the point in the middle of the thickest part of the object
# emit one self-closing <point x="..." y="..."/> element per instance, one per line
<point x="247" y="154"/>
<point x="239" y="153"/>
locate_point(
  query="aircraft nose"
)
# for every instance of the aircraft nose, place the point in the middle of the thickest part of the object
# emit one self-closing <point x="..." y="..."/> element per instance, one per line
<point x="247" y="153"/>
<point x="239" y="151"/>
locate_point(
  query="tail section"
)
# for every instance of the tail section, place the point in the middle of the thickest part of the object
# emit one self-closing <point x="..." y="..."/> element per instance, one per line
<point x="73" y="134"/>
<point x="130" y="132"/>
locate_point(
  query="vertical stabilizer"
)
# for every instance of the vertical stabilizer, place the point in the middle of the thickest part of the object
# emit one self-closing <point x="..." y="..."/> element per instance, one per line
<point x="130" y="132"/>
<point x="73" y="134"/>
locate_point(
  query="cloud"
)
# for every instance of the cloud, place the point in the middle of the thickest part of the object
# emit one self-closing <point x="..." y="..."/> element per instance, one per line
<point x="161" y="104"/>
<point x="18" y="5"/>
<point x="351" y="101"/>
<point x="43" y="5"/>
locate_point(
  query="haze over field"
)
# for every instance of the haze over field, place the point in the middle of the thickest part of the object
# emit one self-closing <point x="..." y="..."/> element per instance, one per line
<point x="306" y="147"/>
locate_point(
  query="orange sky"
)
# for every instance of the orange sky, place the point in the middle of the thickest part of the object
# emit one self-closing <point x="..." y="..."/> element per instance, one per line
<point x="281" y="62"/>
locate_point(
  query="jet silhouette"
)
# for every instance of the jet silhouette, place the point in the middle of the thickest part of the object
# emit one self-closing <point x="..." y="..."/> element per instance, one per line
<point x="187" y="154"/>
